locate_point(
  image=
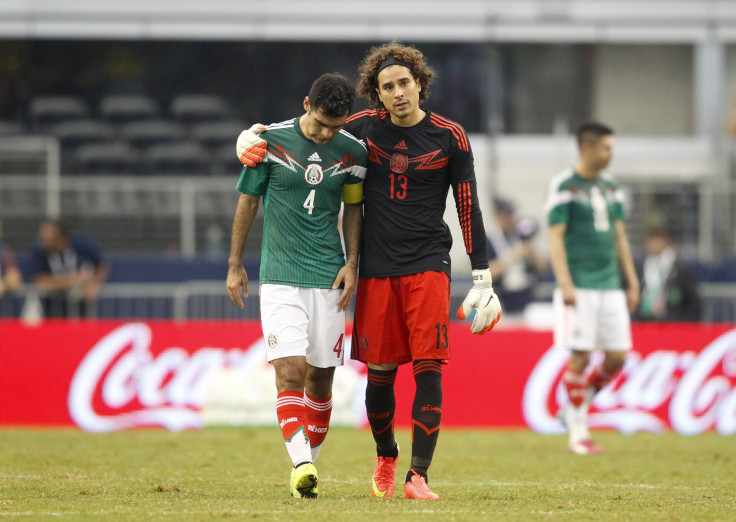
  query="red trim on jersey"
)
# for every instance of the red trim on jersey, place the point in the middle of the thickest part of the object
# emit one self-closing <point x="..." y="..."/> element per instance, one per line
<point x="464" y="207"/>
<point x="428" y="161"/>
<point x="375" y="153"/>
<point x="457" y="130"/>
<point x="367" y="113"/>
<point x="284" y="155"/>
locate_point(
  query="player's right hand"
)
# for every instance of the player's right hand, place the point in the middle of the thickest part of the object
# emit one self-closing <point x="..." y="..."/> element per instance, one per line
<point x="237" y="285"/>
<point x="250" y="147"/>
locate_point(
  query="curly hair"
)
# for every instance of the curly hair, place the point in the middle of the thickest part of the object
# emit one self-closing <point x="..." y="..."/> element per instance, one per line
<point x="367" y="84"/>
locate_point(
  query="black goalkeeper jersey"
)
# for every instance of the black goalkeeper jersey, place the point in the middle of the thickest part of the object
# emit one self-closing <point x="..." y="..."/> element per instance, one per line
<point x="410" y="170"/>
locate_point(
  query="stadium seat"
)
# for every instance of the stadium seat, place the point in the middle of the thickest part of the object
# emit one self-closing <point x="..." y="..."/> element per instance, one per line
<point x="11" y="128"/>
<point x="225" y="162"/>
<point x="121" y="108"/>
<point x="103" y="158"/>
<point x="179" y="157"/>
<point x="192" y="108"/>
<point x="46" y="110"/>
<point x="146" y="133"/>
<point x="215" y="134"/>
<point x="72" y="133"/>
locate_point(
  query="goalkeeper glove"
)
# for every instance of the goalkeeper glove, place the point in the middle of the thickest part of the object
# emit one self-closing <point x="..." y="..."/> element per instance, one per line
<point x="250" y="147"/>
<point x="485" y="303"/>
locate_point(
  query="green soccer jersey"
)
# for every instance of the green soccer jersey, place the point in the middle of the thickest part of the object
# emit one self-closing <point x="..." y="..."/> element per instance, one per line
<point x="589" y="208"/>
<point x="302" y="184"/>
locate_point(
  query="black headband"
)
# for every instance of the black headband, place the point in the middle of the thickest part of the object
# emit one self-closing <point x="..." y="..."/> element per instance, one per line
<point x="388" y="62"/>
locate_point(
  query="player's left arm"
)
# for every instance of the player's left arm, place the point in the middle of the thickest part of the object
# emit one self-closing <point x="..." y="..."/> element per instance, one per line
<point x="481" y="296"/>
<point x="352" y="224"/>
<point x="627" y="266"/>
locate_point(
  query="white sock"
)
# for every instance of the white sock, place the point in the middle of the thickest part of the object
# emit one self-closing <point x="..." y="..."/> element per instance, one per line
<point x="577" y="422"/>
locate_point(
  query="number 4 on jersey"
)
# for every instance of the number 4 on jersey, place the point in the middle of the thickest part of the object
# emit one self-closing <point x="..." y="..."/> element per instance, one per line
<point x="309" y="202"/>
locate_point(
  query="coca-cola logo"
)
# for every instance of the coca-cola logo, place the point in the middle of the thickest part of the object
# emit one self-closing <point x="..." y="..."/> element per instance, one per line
<point x="120" y="384"/>
<point x="691" y="392"/>
<point x="123" y="383"/>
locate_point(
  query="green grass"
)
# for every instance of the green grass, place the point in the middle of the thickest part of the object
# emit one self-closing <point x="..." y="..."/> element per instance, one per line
<point x="231" y="473"/>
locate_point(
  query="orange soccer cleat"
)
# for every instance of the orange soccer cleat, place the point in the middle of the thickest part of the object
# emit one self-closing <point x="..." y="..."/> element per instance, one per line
<point x="384" y="476"/>
<point x="419" y="489"/>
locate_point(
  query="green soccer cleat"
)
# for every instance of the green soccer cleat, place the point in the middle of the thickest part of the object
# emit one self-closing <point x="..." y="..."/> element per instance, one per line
<point x="304" y="481"/>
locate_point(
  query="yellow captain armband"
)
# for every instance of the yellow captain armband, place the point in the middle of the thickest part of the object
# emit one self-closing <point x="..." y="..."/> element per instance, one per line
<point x="352" y="193"/>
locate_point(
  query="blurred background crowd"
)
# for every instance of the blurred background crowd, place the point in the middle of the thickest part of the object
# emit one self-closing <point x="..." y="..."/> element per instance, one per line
<point x="118" y="125"/>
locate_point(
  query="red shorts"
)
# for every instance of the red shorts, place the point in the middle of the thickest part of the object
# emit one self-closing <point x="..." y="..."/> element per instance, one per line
<point x="401" y="319"/>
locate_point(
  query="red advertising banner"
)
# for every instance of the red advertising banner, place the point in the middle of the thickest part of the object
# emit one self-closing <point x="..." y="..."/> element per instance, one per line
<point x="112" y="375"/>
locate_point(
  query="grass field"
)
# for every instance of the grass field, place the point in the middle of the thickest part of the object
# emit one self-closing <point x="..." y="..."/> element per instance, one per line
<point x="230" y="473"/>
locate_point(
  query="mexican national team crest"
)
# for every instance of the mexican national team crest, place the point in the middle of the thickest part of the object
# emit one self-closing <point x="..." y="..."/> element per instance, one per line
<point x="313" y="175"/>
<point x="399" y="163"/>
<point x="272" y="340"/>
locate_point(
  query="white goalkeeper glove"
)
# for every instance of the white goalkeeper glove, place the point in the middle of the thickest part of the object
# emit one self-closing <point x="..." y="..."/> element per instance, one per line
<point x="483" y="300"/>
<point x="250" y="147"/>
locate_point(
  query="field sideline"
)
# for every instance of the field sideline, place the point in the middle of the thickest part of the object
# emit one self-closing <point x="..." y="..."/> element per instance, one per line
<point x="242" y="473"/>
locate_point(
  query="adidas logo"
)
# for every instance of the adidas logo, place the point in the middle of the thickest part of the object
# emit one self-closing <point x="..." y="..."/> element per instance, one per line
<point x="401" y="145"/>
<point x="314" y="157"/>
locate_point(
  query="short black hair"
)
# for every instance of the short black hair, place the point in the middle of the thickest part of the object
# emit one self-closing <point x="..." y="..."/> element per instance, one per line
<point x="590" y="132"/>
<point x="332" y="94"/>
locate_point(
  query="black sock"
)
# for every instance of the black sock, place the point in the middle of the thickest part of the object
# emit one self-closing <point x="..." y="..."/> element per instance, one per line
<point x="380" y="405"/>
<point x="426" y="414"/>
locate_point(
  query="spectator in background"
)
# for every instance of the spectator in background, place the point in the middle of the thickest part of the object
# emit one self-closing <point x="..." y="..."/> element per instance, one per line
<point x="669" y="287"/>
<point x="513" y="262"/>
<point x="10" y="277"/>
<point x="67" y="271"/>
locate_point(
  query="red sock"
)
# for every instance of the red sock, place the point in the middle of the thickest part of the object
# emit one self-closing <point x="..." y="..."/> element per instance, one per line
<point x="318" y="419"/>
<point x="290" y="413"/>
<point x="599" y="377"/>
<point x="292" y="417"/>
<point x="575" y="383"/>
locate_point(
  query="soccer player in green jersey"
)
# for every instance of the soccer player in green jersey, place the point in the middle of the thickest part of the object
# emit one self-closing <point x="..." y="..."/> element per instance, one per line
<point x="310" y="166"/>
<point x="589" y="249"/>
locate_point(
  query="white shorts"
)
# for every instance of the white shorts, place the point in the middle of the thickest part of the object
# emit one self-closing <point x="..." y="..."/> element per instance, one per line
<point x="303" y="322"/>
<point x="599" y="320"/>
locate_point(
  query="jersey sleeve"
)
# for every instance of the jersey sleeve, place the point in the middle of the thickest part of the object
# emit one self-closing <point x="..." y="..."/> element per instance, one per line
<point x="556" y="205"/>
<point x="253" y="180"/>
<point x="462" y="179"/>
<point x="352" y="190"/>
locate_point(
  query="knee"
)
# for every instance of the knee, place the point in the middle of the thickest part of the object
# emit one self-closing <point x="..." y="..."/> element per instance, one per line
<point x="579" y="360"/>
<point x="614" y="361"/>
<point x="289" y="378"/>
<point x="319" y="382"/>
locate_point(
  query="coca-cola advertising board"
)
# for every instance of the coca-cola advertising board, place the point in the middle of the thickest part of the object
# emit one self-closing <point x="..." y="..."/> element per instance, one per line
<point x="112" y="375"/>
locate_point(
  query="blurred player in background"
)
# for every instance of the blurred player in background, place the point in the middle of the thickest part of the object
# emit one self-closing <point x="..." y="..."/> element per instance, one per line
<point x="10" y="276"/>
<point x="310" y="166"/>
<point x="68" y="270"/>
<point x="589" y="249"/>
<point x="402" y="306"/>
<point x="512" y="257"/>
